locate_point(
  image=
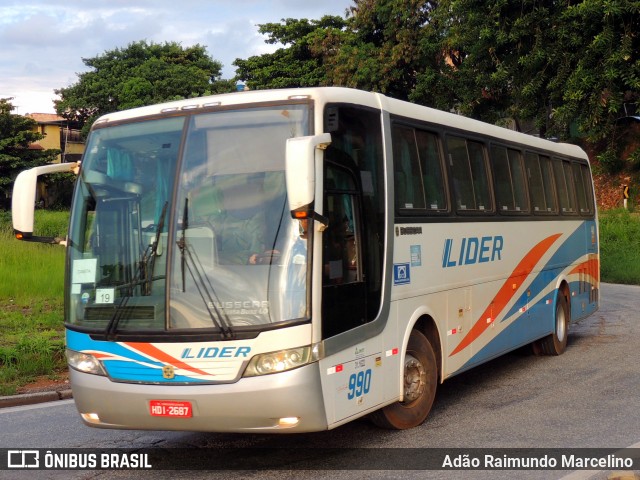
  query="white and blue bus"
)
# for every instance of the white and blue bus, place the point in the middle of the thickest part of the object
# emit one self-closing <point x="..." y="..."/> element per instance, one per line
<point x="290" y="260"/>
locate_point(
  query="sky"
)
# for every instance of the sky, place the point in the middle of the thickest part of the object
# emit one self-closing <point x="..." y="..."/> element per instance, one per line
<point x="43" y="42"/>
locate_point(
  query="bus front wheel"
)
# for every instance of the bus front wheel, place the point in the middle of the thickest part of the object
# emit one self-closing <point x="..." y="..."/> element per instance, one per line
<point x="556" y="343"/>
<point x="420" y="382"/>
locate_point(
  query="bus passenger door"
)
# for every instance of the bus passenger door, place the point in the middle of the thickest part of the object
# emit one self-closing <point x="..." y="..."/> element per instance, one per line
<point x="343" y="280"/>
<point x="352" y="377"/>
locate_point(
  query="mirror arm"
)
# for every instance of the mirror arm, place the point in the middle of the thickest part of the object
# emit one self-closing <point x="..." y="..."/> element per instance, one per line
<point x="308" y="213"/>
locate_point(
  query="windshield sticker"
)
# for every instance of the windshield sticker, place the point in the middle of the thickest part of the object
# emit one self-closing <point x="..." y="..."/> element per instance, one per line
<point x="84" y="270"/>
<point x="105" y="295"/>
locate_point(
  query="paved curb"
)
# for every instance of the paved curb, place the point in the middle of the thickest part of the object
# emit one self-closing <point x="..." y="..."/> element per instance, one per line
<point x="32" y="398"/>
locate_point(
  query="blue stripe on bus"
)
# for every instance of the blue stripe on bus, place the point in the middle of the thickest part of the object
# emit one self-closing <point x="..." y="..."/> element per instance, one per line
<point x="135" y="372"/>
<point x="538" y="319"/>
<point x="82" y="342"/>
<point x="132" y="366"/>
<point x="563" y="256"/>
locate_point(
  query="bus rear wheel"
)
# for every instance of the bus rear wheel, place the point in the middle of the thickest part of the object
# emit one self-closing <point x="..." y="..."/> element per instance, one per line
<point x="420" y="382"/>
<point x="556" y="343"/>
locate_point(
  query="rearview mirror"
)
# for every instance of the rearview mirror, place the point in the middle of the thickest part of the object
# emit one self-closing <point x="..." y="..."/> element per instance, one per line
<point x="301" y="171"/>
<point x="24" y="198"/>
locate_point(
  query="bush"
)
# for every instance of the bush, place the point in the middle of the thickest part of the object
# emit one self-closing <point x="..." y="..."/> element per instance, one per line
<point x="610" y="161"/>
<point x="620" y="247"/>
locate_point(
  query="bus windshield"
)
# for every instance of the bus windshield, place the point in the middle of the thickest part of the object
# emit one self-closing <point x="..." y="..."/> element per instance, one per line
<point x="182" y="223"/>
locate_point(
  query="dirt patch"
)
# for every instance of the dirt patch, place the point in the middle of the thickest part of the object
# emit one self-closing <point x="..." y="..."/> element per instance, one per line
<point x="609" y="189"/>
<point x="47" y="384"/>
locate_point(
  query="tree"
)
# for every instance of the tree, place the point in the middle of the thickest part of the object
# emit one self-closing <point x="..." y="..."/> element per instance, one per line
<point x="140" y="74"/>
<point x="17" y="133"/>
<point x="567" y="67"/>
<point x="597" y="71"/>
<point x="380" y="50"/>
<point x="293" y="65"/>
<point x="492" y="58"/>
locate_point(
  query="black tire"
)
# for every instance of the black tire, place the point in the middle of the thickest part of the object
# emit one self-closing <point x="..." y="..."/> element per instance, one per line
<point x="420" y="383"/>
<point x="556" y="343"/>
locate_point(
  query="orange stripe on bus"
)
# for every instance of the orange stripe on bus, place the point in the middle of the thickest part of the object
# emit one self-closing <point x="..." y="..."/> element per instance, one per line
<point x="590" y="265"/>
<point x="98" y="355"/>
<point x="164" y="357"/>
<point x="506" y="292"/>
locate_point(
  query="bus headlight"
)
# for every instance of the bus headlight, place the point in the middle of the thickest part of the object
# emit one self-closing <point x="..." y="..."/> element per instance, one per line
<point x="275" y="362"/>
<point x="84" y="362"/>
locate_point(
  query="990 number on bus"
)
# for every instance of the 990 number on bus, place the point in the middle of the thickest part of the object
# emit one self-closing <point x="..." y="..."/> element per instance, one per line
<point x="359" y="384"/>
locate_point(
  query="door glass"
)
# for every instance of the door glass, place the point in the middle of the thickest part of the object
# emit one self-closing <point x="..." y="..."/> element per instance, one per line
<point x="344" y="304"/>
<point x="341" y="263"/>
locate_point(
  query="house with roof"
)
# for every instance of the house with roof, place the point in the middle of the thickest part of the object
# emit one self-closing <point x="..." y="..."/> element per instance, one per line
<point x="59" y="134"/>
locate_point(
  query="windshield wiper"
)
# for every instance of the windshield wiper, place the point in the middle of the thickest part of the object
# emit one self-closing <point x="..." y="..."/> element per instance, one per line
<point x="194" y="266"/>
<point x="148" y="263"/>
<point x="182" y="243"/>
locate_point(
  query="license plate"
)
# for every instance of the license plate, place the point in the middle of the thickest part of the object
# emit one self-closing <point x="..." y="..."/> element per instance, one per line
<point x="170" y="408"/>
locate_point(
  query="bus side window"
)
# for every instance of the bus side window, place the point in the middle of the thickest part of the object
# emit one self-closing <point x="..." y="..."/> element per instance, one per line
<point x="536" y="185"/>
<point x="541" y="183"/>
<point x="564" y="194"/>
<point x="480" y="177"/>
<point x="568" y="175"/>
<point x="548" y="182"/>
<point x="519" y="182"/>
<point x="469" y="175"/>
<point x="408" y="177"/>
<point x="581" y="191"/>
<point x="586" y="182"/>
<point x="502" y="178"/>
<point x="511" y="196"/>
<point x="460" y="174"/>
<point x="432" y="176"/>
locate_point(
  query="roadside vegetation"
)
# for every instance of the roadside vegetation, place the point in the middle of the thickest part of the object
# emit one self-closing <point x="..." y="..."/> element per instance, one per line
<point x="620" y="247"/>
<point x="32" y="277"/>
<point x="31" y="303"/>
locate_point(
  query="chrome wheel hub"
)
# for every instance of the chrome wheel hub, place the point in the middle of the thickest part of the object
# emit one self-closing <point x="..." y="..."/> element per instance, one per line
<point x="415" y="379"/>
<point x="561" y="325"/>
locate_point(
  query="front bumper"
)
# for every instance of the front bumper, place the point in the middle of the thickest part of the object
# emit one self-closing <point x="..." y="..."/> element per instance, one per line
<point x="253" y="404"/>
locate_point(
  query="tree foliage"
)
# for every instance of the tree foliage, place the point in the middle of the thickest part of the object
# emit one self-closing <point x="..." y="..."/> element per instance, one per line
<point x="599" y="70"/>
<point x="17" y="133"/>
<point x="295" y="64"/>
<point x="140" y="74"/>
<point x="492" y="58"/>
<point x="568" y="67"/>
<point x="562" y="67"/>
<point x="380" y="50"/>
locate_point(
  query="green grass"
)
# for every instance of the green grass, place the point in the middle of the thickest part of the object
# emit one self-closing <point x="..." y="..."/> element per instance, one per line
<point x="32" y="283"/>
<point x="620" y="247"/>
<point x="31" y="303"/>
<point x="31" y="343"/>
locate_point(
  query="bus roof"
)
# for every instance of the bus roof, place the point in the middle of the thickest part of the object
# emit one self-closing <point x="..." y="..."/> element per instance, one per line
<point x="324" y="95"/>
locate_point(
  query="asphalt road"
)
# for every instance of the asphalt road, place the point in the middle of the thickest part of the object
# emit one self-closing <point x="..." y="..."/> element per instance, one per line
<point x="587" y="398"/>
